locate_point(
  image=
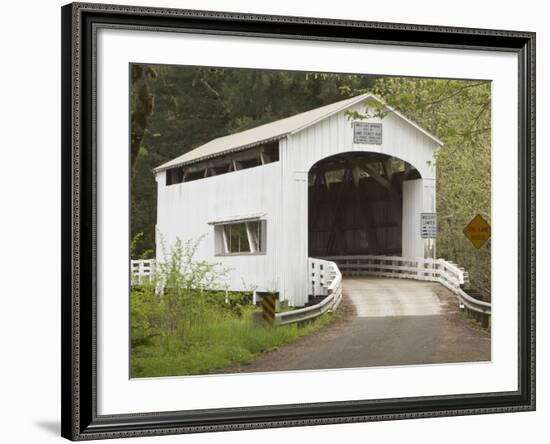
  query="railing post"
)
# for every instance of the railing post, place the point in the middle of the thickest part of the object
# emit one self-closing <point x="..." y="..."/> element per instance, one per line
<point x="311" y="274"/>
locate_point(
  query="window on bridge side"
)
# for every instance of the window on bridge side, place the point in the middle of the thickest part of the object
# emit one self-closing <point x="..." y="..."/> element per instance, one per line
<point x="240" y="238"/>
<point x="174" y="176"/>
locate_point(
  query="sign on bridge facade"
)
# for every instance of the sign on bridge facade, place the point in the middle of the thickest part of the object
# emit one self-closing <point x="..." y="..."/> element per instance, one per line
<point x="428" y="225"/>
<point x="367" y="133"/>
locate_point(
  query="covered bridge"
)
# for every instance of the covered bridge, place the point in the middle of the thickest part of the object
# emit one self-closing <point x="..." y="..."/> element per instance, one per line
<point x="333" y="181"/>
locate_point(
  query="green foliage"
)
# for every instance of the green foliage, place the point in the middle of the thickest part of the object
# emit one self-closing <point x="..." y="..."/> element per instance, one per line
<point x="134" y="248"/>
<point x="146" y="312"/>
<point x="142" y="103"/>
<point x="184" y="321"/>
<point x="186" y="287"/>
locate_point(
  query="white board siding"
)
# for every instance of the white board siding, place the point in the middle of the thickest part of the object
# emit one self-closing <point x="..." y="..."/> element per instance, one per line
<point x="335" y="135"/>
<point x="294" y="230"/>
<point x="418" y="197"/>
<point x="412" y="245"/>
<point x="184" y="210"/>
<point x="429" y="206"/>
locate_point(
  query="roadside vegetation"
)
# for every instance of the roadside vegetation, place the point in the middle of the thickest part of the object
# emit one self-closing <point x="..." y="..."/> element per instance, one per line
<point x="180" y="327"/>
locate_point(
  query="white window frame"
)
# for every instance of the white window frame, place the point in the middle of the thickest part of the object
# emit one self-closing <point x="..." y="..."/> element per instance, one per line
<point x="222" y="242"/>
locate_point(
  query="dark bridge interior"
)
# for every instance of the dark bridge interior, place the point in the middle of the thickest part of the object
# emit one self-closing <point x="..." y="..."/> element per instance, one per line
<point x="355" y="204"/>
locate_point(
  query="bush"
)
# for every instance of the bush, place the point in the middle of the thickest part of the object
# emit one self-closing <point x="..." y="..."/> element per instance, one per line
<point x="183" y="297"/>
<point x="145" y="309"/>
<point x="186" y="322"/>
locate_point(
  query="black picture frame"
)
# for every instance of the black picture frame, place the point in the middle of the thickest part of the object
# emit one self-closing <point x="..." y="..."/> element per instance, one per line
<point x="79" y="395"/>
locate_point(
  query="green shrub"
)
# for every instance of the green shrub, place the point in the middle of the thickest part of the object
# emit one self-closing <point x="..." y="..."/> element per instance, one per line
<point x="145" y="311"/>
<point x="184" y="321"/>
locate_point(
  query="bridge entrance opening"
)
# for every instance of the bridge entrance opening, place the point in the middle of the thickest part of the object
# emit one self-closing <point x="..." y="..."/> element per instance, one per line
<point x="355" y="204"/>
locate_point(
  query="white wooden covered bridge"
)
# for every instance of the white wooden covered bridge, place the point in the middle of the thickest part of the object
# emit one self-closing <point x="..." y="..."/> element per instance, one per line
<point x="275" y="200"/>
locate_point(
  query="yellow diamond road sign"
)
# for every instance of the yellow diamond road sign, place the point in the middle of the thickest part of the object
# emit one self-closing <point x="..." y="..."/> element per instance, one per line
<point x="478" y="231"/>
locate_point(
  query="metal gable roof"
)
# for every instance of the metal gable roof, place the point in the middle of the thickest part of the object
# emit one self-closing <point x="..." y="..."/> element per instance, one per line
<point x="274" y="131"/>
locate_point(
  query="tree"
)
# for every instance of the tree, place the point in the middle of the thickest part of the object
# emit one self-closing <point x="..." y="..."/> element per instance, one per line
<point x="142" y="107"/>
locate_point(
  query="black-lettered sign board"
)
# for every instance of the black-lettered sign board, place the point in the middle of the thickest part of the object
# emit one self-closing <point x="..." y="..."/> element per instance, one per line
<point x="367" y="133"/>
<point x="428" y="225"/>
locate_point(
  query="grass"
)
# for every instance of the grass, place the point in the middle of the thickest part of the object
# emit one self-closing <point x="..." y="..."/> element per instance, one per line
<point x="204" y="347"/>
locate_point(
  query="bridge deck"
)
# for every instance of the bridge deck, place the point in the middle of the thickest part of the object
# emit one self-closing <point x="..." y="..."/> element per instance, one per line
<point x="385" y="297"/>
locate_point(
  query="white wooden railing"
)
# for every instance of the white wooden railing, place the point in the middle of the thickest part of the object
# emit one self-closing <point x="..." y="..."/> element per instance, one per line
<point x="141" y="270"/>
<point x="324" y="276"/>
<point x="446" y="273"/>
<point x="325" y="280"/>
